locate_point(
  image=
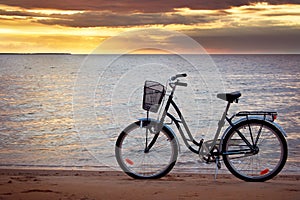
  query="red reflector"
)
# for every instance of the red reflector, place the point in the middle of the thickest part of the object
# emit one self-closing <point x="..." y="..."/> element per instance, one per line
<point x="274" y="117"/>
<point x="129" y="161"/>
<point x="265" y="171"/>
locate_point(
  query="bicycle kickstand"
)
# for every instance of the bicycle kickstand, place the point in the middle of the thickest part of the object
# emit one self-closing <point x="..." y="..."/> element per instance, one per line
<point x="218" y="166"/>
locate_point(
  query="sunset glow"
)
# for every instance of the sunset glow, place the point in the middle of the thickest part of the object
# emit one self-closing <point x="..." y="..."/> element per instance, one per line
<point x="250" y="28"/>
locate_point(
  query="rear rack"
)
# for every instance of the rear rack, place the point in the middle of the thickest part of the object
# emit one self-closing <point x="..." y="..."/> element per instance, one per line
<point x="264" y="113"/>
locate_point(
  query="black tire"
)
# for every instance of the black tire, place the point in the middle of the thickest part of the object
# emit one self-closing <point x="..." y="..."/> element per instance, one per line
<point x="269" y="158"/>
<point x="131" y="156"/>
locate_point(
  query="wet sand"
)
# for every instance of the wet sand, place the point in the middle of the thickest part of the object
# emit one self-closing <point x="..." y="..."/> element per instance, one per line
<point x="85" y="185"/>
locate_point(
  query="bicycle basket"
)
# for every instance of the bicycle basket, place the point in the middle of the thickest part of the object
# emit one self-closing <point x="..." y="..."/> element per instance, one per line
<point x="153" y="95"/>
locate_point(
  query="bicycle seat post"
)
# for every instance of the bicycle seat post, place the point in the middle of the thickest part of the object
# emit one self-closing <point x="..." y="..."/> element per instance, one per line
<point x="222" y="121"/>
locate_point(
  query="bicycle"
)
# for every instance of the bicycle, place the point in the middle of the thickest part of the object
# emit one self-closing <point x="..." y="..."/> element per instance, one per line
<point x="253" y="148"/>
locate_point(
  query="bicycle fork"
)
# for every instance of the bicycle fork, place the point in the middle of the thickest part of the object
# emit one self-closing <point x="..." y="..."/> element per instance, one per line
<point x="149" y="144"/>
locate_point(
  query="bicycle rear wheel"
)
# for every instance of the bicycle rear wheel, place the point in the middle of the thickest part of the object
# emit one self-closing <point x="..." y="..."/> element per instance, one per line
<point x="136" y="161"/>
<point x="268" y="154"/>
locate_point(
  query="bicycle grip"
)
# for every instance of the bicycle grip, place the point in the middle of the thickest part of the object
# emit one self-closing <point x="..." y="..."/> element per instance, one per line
<point x="181" y="84"/>
<point x="181" y="75"/>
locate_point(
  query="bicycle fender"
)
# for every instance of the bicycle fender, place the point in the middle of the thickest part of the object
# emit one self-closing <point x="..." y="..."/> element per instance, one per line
<point x="164" y="126"/>
<point x="249" y="118"/>
<point x="280" y="128"/>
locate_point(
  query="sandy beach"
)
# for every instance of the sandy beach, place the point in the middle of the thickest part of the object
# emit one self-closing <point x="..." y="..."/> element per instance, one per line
<point x="87" y="185"/>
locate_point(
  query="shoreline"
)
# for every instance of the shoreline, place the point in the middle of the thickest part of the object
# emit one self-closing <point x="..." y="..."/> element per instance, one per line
<point x="89" y="169"/>
<point x="83" y="184"/>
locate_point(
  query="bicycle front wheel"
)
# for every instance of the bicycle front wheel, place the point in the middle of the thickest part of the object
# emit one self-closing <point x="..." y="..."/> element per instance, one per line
<point x="259" y="159"/>
<point x="144" y="153"/>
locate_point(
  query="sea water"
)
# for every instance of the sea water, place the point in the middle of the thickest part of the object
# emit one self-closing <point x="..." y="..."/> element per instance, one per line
<point x="56" y="112"/>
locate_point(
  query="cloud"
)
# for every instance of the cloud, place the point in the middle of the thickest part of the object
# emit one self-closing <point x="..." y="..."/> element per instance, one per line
<point x="281" y="14"/>
<point x="107" y="15"/>
<point x="109" y="19"/>
<point x="263" y="39"/>
<point x="112" y="19"/>
<point x="144" y="6"/>
<point x="241" y="29"/>
<point x="48" y="43"/>
<point x="147" y="40"/>
<point x="17" y="13"/>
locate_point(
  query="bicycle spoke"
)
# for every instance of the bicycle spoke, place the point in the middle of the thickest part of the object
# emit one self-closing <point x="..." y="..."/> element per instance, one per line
<point x="251" y="134"/>
<point x="258" y="135"/>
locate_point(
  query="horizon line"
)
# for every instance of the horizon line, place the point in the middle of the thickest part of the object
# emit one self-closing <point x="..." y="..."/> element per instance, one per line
<point x="65" y="53"/>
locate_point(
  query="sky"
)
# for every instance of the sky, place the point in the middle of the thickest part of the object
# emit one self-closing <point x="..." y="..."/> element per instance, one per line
<point x="79" y="26"/>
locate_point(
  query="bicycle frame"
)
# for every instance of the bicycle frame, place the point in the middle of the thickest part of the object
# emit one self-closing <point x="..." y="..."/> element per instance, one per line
<point x="208" y="146"/>
<point x="188" y="137"/>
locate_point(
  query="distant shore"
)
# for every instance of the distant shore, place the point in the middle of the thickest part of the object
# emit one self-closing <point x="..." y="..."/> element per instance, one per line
<point x="35" y="54"/>
<point x="242" y="54"/>
<point x="78" y="184"/>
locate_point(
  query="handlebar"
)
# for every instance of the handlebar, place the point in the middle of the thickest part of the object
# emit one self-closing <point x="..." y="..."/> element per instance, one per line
<point x="173" y="78"/>
<point x="173" y="83"/>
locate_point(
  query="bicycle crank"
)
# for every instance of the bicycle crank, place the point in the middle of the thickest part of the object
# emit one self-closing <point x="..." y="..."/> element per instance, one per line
<point x="213" y="157"/>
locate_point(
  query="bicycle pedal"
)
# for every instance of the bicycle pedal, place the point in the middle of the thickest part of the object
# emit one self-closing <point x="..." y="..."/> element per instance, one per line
<point x="209" y="159"/>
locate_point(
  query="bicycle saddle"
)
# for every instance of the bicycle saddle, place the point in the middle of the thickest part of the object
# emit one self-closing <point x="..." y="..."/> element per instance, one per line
<point x="230" y="97"/>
